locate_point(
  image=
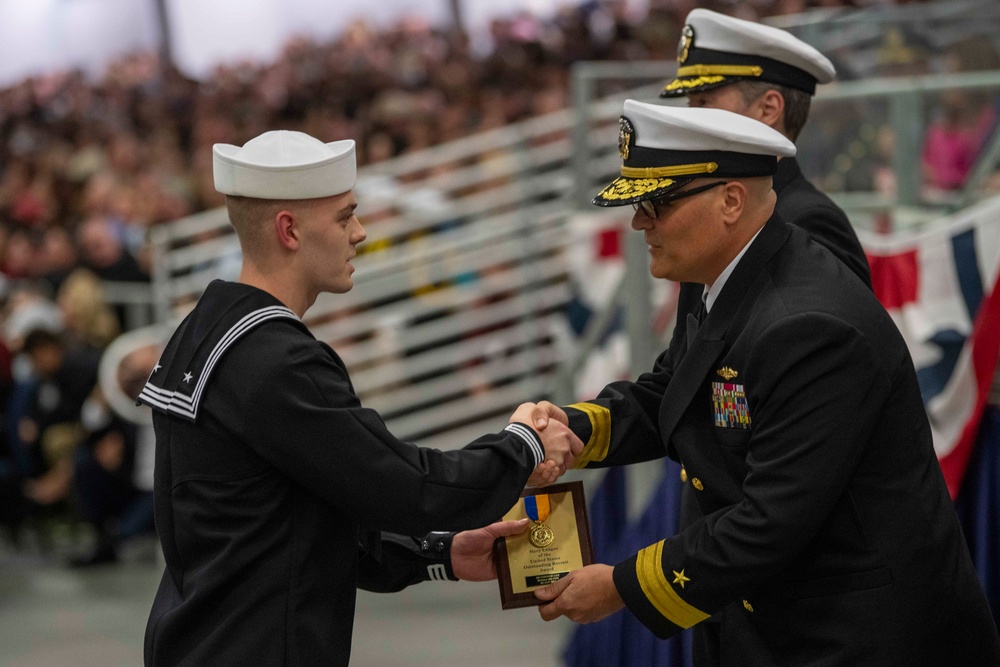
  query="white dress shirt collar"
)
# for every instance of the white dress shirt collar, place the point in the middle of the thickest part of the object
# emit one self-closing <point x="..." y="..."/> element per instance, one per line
<point x="712" y="291"/>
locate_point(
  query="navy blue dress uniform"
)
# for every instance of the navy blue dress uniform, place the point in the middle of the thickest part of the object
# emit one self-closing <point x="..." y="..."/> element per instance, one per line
<point x="273" y="483"/>
<point x="716" y="51"/>
<point x="827" y="535"/>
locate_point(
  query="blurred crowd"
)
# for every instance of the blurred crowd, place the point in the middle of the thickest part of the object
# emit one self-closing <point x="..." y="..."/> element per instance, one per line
<point x="87" y="168"/>
<point x="851" y="145"/>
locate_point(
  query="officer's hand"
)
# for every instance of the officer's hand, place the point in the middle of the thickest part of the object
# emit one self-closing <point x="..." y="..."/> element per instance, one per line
<point x="544" y="411"/>
<point x="584" y="596"/>
<point x="561" y="445"/>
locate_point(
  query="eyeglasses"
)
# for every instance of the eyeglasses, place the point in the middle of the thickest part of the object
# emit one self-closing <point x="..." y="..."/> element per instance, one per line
<point x="648" y="206"/>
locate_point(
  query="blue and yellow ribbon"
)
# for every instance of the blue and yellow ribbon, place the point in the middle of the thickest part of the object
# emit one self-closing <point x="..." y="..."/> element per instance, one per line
<point x="537" y="507"/>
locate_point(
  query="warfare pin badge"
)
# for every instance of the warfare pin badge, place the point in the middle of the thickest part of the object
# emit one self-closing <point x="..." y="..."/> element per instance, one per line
<point x="727" y="373"/>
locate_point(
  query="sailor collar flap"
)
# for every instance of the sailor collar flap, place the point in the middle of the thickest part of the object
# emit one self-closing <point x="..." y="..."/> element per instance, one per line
<point x="178" y="381"/>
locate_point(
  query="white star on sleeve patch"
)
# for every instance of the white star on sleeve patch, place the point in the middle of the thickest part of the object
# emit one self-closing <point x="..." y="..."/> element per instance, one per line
<point x="187" y="377"/>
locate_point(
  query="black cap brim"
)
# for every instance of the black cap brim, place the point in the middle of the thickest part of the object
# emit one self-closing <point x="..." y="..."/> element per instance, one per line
<point x="623" y="190"/>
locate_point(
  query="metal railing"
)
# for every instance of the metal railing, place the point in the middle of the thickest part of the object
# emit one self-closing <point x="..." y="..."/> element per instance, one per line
<point x="862" y="31"/>
<point x="134" y="299"/>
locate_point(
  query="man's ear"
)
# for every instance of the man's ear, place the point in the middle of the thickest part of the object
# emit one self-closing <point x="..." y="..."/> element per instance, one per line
<point x="769" y="109"/>
<point x="735" y="195"/>
<point x="286" y="227"/>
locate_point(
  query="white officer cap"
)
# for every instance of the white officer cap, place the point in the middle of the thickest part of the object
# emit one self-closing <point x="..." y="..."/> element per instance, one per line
<point x="282" y="164"/>
<point x="716" y="49"/>
<point x="662" y="148"/>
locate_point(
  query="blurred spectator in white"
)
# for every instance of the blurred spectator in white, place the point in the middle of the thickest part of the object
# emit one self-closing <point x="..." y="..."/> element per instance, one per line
<point x="28" y="307"/>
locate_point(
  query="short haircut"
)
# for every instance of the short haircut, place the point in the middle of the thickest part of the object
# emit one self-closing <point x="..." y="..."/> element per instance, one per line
<point x="250" y="217"/>
<point x="797" y="103"/>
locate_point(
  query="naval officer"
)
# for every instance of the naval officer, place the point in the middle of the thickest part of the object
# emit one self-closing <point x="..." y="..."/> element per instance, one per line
<point x="827" y="535"/>
<point x="769" y="75"/>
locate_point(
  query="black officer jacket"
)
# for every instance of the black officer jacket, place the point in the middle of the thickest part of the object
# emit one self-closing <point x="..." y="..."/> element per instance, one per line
<point x="827" y="534"/>
<point x="802" y="205"/>
<point x="270" y="474"/>
<point x="798" y="203"/>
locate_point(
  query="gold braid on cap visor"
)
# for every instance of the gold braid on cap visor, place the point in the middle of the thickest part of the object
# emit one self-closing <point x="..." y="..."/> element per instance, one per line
<point x="720" y="70"/>
<point x="669" y="172"/>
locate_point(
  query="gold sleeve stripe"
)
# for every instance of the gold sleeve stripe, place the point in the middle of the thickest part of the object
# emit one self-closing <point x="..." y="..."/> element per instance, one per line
<point x="666" y="172"/>
<point x="596" y="448"/>
<point x="720" y="70"/>
<point x="649" y="570"/>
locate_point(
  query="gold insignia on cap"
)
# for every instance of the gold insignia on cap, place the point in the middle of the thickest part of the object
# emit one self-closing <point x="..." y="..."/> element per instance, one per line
<point x="727" y="373"/>
<point x="626" y="188"/>
<point x="625" y="132"/>
<point x="679" y="578"/>
<point x="748" y="606"/>
<point x="684" y="47"/>
<point x="692" y="83"/>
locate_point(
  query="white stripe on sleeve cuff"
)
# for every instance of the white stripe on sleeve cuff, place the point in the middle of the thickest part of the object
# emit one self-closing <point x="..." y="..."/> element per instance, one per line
<point x="530" y="438"/>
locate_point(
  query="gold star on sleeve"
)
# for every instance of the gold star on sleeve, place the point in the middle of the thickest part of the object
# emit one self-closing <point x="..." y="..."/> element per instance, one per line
<point x="656" y="586"/>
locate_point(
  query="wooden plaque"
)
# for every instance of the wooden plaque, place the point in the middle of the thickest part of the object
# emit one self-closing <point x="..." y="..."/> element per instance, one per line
<point x="523" y="567"/>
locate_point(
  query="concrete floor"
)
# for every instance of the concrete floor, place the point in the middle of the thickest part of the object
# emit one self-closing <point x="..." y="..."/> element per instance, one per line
<point x="51" y="616"/>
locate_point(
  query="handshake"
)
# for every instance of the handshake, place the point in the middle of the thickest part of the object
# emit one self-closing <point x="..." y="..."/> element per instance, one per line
<point x="561" y="445"/>
<point x="584" y="595"/>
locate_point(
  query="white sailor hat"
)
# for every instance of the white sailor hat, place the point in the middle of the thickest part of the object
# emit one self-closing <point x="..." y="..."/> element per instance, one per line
<point x="716" y="49"/>
<point x="663" y="148"/>
<point x="282" y="164"/>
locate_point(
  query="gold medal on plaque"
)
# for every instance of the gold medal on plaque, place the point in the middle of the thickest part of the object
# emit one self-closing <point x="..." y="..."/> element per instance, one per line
<point x="537" y="508"/>
<point x="555" y="544"/>
<point x="541" y="535"/>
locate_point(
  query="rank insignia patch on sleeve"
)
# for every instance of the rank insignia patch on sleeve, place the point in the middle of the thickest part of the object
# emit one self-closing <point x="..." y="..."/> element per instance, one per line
<point x="729" y="403"/>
